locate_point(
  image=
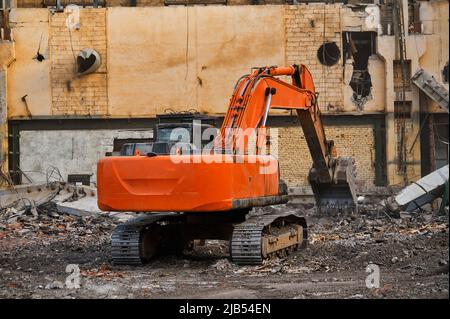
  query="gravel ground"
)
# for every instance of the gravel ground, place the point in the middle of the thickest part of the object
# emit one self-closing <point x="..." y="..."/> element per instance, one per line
<point x="411" y="253"/>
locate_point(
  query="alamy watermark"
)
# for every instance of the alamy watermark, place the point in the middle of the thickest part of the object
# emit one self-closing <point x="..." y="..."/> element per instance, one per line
<point x="231" y="145"/>
<point x="73" y="279"/>
<point x="373" y="277"/>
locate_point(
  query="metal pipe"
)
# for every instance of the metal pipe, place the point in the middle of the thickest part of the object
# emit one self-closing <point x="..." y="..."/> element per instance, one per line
<point x="267" y="106"/>
<point x="58" y="5"/>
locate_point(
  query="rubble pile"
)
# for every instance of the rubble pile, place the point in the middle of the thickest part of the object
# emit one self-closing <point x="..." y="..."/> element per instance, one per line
<point x="38" y="240"/>
<point x="384" y="241"/>
<point x="46" y="220"/>
<point x="55" y="210"/>
<point x="49" y="222"/>
<point x="349" y="242"/>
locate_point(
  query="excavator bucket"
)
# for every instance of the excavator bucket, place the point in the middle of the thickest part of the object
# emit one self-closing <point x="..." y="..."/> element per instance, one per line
<point x="339" y="196"/>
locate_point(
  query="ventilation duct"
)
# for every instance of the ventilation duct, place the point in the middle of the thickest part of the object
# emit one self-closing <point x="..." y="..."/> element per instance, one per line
<point x="88" y="61"/>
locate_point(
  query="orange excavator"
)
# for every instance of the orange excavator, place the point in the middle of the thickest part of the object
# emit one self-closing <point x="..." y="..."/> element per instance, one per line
<point x="194" y="194"/>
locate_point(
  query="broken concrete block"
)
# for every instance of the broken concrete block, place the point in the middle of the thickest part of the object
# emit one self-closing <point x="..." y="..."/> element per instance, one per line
<point x="86" y="206"/>
<point x="63" y="195"/>
<point x="20" y="196"/>
<point x="421" y="192"/>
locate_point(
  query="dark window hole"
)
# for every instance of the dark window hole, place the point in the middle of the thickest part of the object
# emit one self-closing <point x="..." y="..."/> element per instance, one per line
<point x="359" y="46"/>
<point x="329" y="53"/>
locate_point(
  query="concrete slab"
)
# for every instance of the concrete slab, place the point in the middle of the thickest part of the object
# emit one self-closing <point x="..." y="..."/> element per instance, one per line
<point x="423" y="191"/>
<point x="86" y="206"/>
<point x="23" y="195"/>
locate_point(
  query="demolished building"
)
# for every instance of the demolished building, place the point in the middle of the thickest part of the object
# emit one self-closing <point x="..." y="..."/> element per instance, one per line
<point x="78" y="79"/>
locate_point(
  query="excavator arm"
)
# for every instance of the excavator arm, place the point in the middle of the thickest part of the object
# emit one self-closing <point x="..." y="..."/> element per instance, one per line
<point x="331" y="177"/>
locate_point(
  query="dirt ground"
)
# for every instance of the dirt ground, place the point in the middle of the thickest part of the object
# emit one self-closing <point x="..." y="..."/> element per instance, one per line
<point x="411" y="252"/>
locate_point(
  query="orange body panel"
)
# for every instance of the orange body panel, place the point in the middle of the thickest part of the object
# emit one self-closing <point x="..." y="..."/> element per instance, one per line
<point x="145" y="184"/>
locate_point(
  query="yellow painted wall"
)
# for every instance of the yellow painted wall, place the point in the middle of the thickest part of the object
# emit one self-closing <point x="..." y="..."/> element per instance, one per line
<point x="436" y="26"/>
<point x="151" y="63"/>
<point x="25" y="75"/>
<point x="155" y="64"/>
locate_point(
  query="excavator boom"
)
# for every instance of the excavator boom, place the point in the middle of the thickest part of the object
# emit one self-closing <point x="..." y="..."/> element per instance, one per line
<point x="331" y="177"/>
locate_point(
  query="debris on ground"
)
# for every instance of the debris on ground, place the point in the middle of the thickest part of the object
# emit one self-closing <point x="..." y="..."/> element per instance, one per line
<point x="38" y="241"/>
<point x="223" y="264"/>
<point x="103" y="271"/>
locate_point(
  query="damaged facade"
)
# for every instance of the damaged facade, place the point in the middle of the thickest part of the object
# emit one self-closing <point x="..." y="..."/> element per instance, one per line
<point x="77" y="80"/>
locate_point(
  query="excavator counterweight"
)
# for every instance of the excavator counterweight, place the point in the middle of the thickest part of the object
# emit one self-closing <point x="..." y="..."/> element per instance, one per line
<point x="206" y="193"/>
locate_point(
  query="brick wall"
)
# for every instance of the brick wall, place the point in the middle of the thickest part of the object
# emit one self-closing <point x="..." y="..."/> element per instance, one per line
<point x="356" y="141"/>
<point x="306" y="30"/>
<point x="73" y="95"/>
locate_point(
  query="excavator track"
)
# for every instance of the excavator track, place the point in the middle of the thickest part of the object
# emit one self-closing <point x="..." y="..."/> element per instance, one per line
<point x="263" y="236"/>
<point x="259" y="237"/>
<point x="127" y="239"/>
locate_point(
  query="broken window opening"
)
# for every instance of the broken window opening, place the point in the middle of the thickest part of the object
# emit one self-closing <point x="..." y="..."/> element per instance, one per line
<point x="415" y="25"/>
<point x="387" y="19"/>
<point x="329" y="53"/>
<point x="358" y="47"/>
